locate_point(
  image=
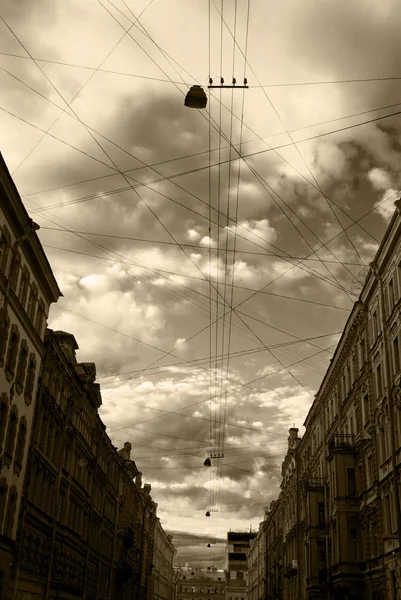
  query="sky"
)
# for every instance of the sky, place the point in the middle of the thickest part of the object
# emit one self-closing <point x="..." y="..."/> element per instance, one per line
<point x="208" y="259"/>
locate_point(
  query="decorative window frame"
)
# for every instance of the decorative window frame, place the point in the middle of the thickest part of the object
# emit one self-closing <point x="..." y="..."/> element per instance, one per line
<point x="5" y="247"/>
<point x="12" y="427"/>
<point x="20" y="445"/>
<point x="30" y="379"/>
<point x="4" y="333"/>
<point x="3" y="418"/>
<point x="21" y="366"/>
<point x="15" y="269"/>
<point x="24" y="285"/>
<point x="10" y="511"/>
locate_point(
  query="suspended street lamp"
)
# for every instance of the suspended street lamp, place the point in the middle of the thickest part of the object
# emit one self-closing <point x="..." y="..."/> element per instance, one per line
<point x="196" y="97"/>
<point x="207" y="514"/>
<point x="208" y="545"/>
<point x="207" y="462"/>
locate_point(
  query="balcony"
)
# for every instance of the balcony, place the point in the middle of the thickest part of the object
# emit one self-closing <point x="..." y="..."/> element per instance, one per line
<point x="344" y="442"/>
<point x="314" y="484"/>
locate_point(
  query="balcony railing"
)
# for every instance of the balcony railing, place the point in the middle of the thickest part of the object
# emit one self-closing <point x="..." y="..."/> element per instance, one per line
<point x="344" y="442"/>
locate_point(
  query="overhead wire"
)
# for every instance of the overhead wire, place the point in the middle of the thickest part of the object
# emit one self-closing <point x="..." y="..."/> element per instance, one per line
<point x="328" y="200"/>
<point x="99" y="145"/>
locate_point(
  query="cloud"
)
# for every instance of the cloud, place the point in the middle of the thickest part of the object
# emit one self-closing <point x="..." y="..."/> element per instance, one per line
<point x="147" y="291"/>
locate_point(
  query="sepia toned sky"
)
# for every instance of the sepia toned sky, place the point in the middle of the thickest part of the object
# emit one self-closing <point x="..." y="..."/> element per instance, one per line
<point x="142" y="201"/>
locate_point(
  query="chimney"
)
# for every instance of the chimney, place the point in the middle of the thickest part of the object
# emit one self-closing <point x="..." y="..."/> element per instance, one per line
<point x="293" y="437"/>
<point x="125" y="452"/>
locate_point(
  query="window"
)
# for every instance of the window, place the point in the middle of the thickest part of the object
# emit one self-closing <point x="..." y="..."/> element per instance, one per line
<point x="15" y="269"/>
<point x="362" y="352"/>
<point x="32" y="301"/>
<point x="3" y="418"/>
<point x="21" y="367"/>
<point x="4" y="330"/>
<point x="40" y="317"/>
<point x="3" y="498"/>
<point x="351" y="482"/>
<point x="30" y="378"/>
<point x="23" y="286"/>
<point x="5" y="245"/>
<point x="369" y="471"/>
<point x="12" y="352"/>
<point x="349" y="378"/>
<point x="391" y="296"/>
<point x="375" y="329"/>
<point x="379" y="383"/>
<point x="396" y="354"/>
<point x="21" y="441"/>
<point x="10" y="513"/>
<point x="11" y="432"/>
<point x="366" y="411"/>
<point x="320" y="515"/>
<point x="387" y="514"/>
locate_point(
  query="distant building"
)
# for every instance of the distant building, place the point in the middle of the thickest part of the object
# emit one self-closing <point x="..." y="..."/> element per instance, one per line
<point x="27" y="289"/>
<point x="257" y="562"/>
<point x="237" y="546"/>
<point x="200" y="584"/>
<point x="163" y="555"/>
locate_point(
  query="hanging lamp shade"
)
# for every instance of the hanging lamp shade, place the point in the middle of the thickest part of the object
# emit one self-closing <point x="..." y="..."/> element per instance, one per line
<point x="207" y="462"/>
<point x="196" y="97"/>
<point x="207" y="514"/>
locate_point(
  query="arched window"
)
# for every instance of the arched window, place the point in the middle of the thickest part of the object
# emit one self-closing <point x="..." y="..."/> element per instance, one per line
<point x="23" y="286"/>
<point x="21" y="367"/>
<point x="12" y="352"/>
<point x="11" y="435"/>
<point x="20" y="448"/>
<point x="4" y="330"/>
<point x="14" y="271"/>
<point x="3" y="418"/>
<point x="5" y="246"/>
<point x="3" y="499"/>
<point x="10" y="513"/>
<point x="30" y="378"/>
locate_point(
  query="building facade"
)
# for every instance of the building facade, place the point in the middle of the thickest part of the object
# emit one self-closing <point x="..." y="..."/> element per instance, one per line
<point x="27" y="289"/>
<point x="237" y="547"/>
<point x="86" y="526"/>
<point x="338" y="518"/>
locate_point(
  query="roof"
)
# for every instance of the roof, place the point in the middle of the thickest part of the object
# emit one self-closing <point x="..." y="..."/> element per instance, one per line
<point x="18" y="216"/>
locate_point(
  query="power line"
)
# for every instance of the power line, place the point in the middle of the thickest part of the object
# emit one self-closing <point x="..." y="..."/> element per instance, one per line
<point x="268" y="85"/>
